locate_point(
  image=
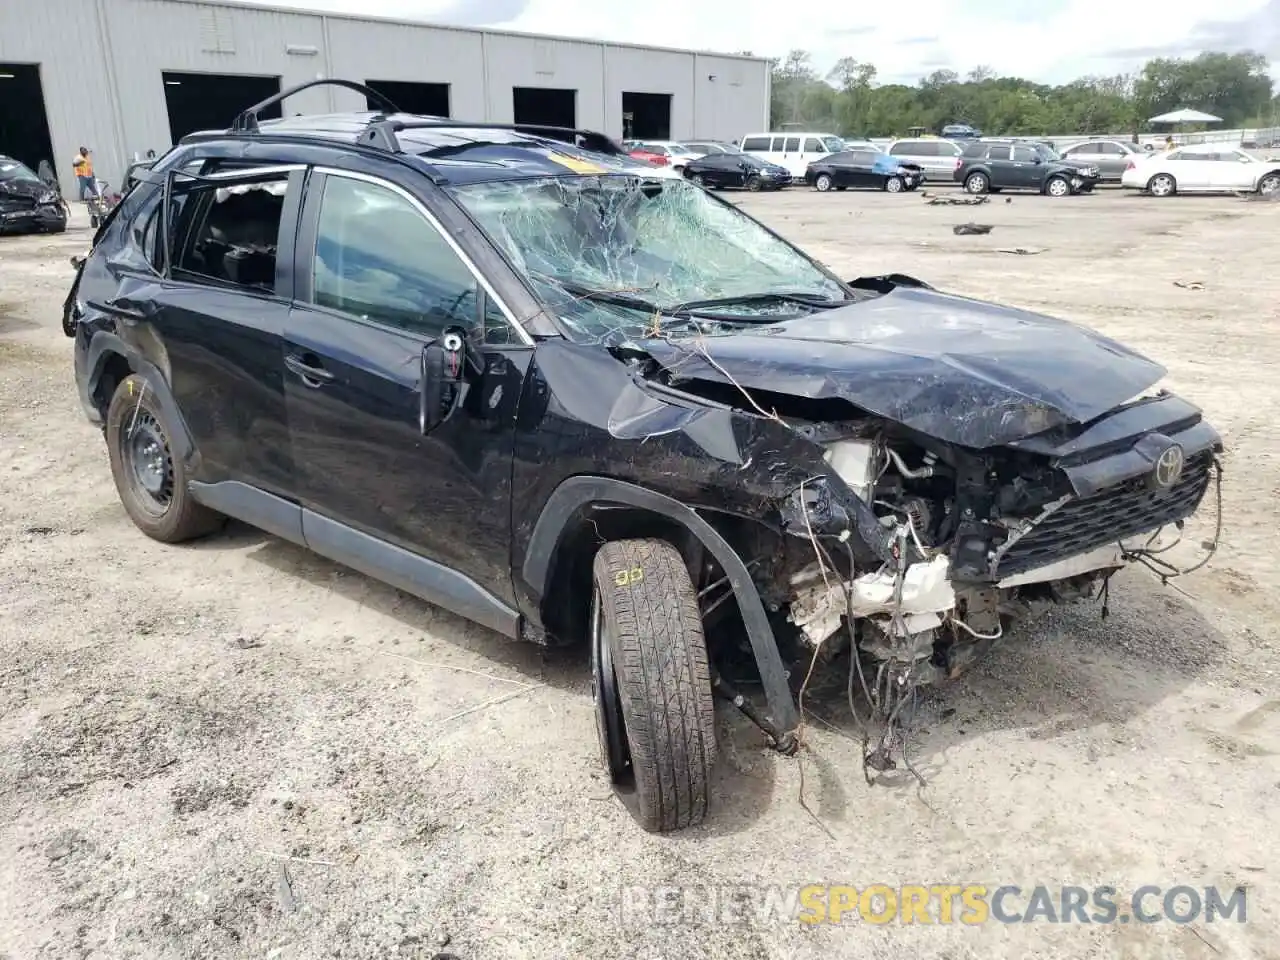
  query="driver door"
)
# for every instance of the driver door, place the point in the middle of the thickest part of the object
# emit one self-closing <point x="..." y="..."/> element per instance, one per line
<point x="1233" y="171"/>
<point x="427" y="509"/>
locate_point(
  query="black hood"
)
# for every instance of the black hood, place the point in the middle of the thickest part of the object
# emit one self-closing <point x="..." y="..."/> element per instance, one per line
<point x="962" y="371"/>
<point x="27" y="189"/>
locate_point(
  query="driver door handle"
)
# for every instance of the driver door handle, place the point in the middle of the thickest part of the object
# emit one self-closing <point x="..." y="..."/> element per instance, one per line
<point x="309" y="369"/>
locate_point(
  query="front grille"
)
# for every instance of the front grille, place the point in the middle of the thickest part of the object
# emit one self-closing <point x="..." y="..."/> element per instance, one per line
<point x="1119" y="512"/>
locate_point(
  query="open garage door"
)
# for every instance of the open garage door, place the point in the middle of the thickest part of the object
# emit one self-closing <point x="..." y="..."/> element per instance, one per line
<point x="210" y="101"/>
<point x="24" y="124"/>
<point x="545" y="105"/>
<point x="429" y="99"/>
<point x="646" y="116"/>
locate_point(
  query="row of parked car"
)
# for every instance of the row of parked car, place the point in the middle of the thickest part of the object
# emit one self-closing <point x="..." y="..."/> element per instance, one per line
<point x="986" y="165"/>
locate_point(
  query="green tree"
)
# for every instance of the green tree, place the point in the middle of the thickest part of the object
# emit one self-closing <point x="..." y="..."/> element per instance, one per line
<point x="849" y="100"/>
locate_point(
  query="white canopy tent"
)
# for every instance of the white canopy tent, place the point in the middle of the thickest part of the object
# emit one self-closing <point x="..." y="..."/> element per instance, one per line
<point x="1185" y="116"/>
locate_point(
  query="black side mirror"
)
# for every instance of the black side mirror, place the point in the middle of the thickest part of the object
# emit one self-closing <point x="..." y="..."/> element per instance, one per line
<point x="441" y="390"/>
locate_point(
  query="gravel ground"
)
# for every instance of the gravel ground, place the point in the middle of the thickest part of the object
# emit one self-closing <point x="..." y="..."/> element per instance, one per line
<point x="235" y="749"/>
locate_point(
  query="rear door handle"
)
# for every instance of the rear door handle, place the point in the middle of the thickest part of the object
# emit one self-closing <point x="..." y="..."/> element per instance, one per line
<point x="309" y="369"/>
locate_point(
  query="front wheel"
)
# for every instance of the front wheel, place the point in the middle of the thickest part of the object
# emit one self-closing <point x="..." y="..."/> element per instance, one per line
<point x="976" y="183"/>
<point x="1270" y="184"/>
<point x="651" y="683"/>
<point x="824" y="182"/>
<point x="754" y="184"/>
<point x="894" y="185"/>
<point x="1057" y="187"/>
<point x="697" y="178"/>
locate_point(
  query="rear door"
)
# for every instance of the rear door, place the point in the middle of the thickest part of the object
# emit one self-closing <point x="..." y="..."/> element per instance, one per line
<point x="1024" y="170"/>
<point x="379" y="281"/>
<point x="219" y="307"/>
<point x="999" y="163"/>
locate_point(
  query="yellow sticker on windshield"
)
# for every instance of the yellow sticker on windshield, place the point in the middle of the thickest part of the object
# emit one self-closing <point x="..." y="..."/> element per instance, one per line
<point x="574" y="164"/>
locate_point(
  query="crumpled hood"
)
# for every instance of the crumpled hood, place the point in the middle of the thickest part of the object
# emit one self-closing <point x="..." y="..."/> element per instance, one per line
<point x="960" y="370"/>
<point x="27" y="189"/>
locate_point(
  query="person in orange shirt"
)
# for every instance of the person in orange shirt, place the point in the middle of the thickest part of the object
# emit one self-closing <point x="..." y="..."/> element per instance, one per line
<point x="83" y="166"/>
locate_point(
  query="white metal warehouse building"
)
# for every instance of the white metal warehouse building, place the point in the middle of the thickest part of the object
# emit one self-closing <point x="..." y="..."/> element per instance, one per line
<point x="126" y="76"/>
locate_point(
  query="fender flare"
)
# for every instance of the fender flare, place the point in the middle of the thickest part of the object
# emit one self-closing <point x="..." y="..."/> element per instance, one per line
<point x="101" y="348"/>
<point x="576" y="492"/>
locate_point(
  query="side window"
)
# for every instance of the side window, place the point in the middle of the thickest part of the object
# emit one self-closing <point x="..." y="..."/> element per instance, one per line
<point x="756" y="143"/>
<point x="377" y="257"/>
<point x="1078" y="148"/>
<point x="998" y="152"/>
<point x="1175" y="155"/>
<point x="1023" y="154"/>
<point x="227" y="233"/>
<point x="813" y="145"/>
<point x="925" y="148"/>
<point x="1110" y="149"/>
<point x="902" y="150"/>
<point x="792" y="145"/>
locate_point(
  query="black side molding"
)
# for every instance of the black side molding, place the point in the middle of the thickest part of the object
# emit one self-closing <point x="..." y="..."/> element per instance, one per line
<point x="409" y="572"/>
<point x="403" y="569"/>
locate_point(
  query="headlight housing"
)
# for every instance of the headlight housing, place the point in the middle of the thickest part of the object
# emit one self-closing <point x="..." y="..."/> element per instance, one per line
<point x="49" y="196"/>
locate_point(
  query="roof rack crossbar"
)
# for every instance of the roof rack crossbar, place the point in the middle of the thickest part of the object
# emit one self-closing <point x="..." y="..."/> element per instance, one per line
<point x="247" y="120"/>
<point x="381" y="134"/>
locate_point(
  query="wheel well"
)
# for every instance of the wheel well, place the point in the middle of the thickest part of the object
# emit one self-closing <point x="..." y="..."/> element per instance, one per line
<point x="114" y="369"/>
<point x="565" y="604"/>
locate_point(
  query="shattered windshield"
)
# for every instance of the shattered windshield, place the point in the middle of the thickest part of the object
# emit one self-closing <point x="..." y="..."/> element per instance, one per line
<point x="13" y="170"/>
<point x="608" y="254"/>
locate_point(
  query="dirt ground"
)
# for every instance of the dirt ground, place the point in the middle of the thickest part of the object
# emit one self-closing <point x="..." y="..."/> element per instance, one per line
<point x="235" y="749"/>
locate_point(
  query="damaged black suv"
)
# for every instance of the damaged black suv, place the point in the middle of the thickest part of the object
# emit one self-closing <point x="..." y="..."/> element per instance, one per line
<point x="574" y="397"/>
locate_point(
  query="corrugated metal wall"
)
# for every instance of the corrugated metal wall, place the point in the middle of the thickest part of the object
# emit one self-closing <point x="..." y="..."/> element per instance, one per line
<point x="115" y="103"/>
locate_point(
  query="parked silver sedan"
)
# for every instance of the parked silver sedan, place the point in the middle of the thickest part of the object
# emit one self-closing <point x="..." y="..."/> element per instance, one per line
<point x="1111" y="157"/>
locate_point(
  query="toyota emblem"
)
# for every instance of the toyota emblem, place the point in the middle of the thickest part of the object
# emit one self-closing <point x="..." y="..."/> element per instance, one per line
<point x="1168" y="468"/>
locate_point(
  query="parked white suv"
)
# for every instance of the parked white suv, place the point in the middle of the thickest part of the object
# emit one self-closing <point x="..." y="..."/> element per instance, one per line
<point x="792" y="149"/>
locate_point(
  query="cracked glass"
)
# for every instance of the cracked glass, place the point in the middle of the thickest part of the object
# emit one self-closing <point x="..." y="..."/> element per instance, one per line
<point x="609" y="255"/>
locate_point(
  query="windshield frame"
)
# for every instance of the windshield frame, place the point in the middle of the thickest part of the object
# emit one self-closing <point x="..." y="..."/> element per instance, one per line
<point x="549" y="311"/>
<point x="23" y="172"/>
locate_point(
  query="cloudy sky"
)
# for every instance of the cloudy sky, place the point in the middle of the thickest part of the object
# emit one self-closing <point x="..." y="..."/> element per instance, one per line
<point x="1047" y="40"/>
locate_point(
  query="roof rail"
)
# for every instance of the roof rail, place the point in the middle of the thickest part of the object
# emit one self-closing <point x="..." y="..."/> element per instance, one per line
<point x="247" y="120"/>
<point x="381" y="133"/>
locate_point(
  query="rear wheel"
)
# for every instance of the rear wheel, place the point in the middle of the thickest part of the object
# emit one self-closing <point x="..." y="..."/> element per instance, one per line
<point x="976" y="183"/>
<point x="824" y="182"/>
<point x="697" y="178"/>
<point x="150" y="480"/>
<point x="1269" y="184"/>
<point x="894" y="185"/>
<point x="1162" y="185"/>
<point x="651" y="683"/>
<point x="1058" y="187"/>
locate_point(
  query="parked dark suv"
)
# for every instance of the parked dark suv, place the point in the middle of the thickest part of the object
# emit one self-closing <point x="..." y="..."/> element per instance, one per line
<point x="574" y="397"/>
<point x="995" y="165"/>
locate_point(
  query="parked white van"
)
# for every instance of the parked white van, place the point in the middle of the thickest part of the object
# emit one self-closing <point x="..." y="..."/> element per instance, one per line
<point x="792" y="149"/>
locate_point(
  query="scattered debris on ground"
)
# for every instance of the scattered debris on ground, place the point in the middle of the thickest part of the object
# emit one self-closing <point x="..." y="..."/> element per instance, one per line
<point x="971" y="229"/>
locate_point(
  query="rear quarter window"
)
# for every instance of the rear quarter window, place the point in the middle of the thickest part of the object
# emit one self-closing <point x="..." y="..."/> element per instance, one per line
<point x="756" y="143"/>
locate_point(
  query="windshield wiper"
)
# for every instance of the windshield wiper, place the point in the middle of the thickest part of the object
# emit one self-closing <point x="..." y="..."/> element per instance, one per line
<point x="615" y="297"/>
<point x="804" y="299"/>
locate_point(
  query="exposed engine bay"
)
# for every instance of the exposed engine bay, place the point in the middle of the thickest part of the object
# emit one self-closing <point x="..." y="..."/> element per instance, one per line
<point x="944" y="548"/>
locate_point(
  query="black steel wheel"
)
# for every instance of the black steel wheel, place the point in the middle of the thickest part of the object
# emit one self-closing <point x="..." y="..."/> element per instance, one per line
<point x="611" y="729"/>
<point x="150" y="479"/>
<point x="645" y="614"/>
